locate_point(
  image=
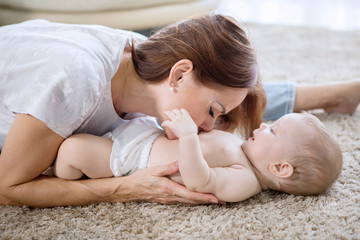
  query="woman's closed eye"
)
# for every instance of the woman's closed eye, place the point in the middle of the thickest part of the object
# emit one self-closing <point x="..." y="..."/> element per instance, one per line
<point x="211" y="112"/>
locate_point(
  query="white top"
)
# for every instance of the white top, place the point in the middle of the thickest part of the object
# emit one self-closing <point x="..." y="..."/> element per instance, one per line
<point x="60" y="74"/>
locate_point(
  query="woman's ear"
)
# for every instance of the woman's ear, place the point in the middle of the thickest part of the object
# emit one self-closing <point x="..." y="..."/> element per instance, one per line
<point x="282" y="170"/>
<point x="178" y="71"/>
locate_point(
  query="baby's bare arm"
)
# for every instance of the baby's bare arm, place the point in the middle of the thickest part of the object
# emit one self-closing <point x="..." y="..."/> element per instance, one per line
<point x="193" y="168"/>
<point x="231" y="184"/>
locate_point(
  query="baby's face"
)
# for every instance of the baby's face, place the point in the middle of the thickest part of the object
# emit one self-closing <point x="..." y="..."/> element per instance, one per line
<point x="276" y="142"/>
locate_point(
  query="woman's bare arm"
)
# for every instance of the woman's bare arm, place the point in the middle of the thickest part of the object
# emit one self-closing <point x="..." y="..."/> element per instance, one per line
<point x="31" y="147"/>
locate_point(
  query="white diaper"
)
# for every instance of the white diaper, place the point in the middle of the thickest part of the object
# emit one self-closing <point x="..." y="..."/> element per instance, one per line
<point x="133" y="140"/>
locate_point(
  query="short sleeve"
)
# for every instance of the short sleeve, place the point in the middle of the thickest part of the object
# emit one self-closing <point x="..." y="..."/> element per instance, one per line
<point x="57" y="72"/>
<point x="61" y="95"/>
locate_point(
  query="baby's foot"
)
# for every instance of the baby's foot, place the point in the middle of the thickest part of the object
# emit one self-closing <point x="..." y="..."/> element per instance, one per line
<point x="346" y="98"/>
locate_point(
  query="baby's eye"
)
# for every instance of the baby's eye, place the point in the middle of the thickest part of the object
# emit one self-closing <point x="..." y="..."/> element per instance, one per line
<point x="272" y="131"/>
<point x="211" y="112"/>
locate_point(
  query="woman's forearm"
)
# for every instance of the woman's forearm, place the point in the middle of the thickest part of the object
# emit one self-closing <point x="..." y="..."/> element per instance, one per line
<point x="193" y="168"/>
<point x="47" y="191"/>
<point x="149" y="185"/>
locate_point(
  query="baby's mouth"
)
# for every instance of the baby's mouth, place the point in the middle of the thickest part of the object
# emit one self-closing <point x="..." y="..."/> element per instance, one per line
<point x="253" y="135"/>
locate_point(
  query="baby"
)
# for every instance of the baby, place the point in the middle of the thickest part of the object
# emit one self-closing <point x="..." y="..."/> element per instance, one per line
<point x="295" y="155"/>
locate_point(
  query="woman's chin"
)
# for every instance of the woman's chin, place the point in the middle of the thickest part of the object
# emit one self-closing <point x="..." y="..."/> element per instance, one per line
<point x="169" y="134"/>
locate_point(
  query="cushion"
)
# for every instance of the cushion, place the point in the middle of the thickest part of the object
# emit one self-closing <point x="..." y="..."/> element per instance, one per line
<point x="124" y="14"/>
<point x="85" y="5"/>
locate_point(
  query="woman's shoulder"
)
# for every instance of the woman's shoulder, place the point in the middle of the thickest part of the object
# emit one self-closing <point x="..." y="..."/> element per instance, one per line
<point x="63" y="75"/>
<point x="63" y="39"/>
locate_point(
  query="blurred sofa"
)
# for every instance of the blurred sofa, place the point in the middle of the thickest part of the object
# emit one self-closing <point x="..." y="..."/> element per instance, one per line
<point x="124" y="14"/>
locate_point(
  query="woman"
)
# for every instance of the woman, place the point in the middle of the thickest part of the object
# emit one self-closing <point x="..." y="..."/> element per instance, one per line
<point x="59" y="79"/>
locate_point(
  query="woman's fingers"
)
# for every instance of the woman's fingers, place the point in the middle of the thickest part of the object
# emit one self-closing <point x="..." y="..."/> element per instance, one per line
<point x="182" y="194"/>
<point x="176" y="193"/>
<point x="159" y="188"/>
<point x="165" y="170"/>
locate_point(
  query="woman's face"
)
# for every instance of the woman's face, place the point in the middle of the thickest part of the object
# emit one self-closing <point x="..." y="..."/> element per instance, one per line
<point x="203" y="104"/>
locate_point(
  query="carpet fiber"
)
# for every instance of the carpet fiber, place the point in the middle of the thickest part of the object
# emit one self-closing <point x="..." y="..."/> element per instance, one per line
<point x="303" y="55"/>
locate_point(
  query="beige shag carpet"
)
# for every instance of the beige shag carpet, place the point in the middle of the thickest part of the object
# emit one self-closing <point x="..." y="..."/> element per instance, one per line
<point x="303" y="55"/>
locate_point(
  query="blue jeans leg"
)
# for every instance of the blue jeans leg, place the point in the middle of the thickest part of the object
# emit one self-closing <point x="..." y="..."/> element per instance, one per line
<point x="280" y="99"/>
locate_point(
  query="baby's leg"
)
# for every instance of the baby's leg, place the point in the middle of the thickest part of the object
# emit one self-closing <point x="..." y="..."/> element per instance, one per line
<point x="83" y="154"/>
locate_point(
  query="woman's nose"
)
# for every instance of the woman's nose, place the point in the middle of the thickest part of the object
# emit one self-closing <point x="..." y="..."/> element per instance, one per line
<point x="207" y="125"/>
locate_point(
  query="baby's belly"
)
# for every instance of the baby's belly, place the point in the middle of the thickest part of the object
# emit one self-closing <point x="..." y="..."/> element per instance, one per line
<point x="164" y="151"/>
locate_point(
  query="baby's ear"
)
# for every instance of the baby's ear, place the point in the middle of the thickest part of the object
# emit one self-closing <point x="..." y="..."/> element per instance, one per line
<point x="282" y="170"/>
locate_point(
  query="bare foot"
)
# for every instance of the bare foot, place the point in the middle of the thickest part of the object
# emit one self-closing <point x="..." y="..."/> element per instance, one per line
<point x="346" y="98"/>
<point x="333" y="98"/>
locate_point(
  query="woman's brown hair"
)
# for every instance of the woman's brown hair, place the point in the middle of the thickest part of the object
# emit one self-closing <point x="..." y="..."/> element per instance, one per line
<point x="221" y="55"/>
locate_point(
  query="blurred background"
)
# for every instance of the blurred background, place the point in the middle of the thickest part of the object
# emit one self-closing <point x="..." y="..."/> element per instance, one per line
<point x="332" y="14"/>
<point x="150" y="14"/>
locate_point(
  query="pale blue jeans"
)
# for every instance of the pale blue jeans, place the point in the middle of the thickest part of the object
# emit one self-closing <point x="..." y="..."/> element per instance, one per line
<point x="280" y="99"/>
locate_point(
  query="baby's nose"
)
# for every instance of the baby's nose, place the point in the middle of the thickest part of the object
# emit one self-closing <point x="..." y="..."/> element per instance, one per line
<point x="263" y="126"/>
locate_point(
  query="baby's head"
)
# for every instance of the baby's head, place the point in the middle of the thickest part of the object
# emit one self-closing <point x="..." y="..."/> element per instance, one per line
<point x="295" y="155"/>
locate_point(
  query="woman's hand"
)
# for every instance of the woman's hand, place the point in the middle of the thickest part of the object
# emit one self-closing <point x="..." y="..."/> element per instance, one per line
<point x="152" y="185"/>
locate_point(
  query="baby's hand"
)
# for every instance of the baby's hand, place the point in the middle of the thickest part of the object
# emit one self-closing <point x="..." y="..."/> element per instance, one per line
<point x="180" y="123"/>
